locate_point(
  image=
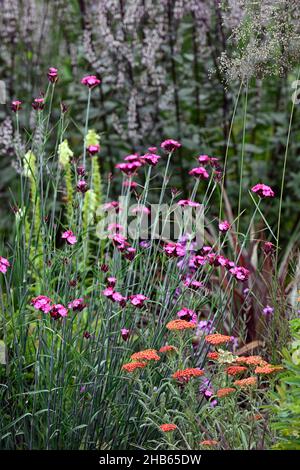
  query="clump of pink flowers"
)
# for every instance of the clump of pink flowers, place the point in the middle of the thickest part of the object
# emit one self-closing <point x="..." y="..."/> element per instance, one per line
<point x="224" y="226"/>
<point x="199" y="172"/>
<point x="90" y="81"/>
<point x="263" y="190"/>
<point x="170" y="145"/>
<point x="4" y="264"/>
<point x="69" y="236"/>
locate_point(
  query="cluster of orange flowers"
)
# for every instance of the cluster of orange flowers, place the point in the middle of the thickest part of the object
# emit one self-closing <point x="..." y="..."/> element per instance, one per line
<point x="167" y="348"/>
<point x="186" y="374"/>
<point x="146" y="355"/>
<point x="235" y="370"/>
<point x="179" y="325"/>
<point x="168" y="427"/>
<point x="217" y="338"/>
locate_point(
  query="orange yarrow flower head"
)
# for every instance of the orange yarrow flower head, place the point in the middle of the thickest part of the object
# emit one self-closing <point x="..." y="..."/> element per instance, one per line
<point x="179" y="325"/>
<point x="167" y="348"/>
<point x="224" y="392"/>
<point x="132" y="366"/>
<point x="268" y="369"/>
<point x="213" y="356"/>
<point x="235" y="370"/>
<point x="146" y="355"/>
<point x="208" y="443"/>
<point x="168" y="427"/>
<point x="217" y="338"/>
<point x="186" y="374"/>
<point x="244" y="383"/>
<point x="251" y="360"/>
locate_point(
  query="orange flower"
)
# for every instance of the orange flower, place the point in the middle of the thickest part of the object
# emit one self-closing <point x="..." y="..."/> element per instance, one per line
<point x="168" y="427"/>
<point x="179" y="325"/>
<point x="251" y="360"/>
<point x="147" y="355"/>
<point x="186" y="374"/>
<point x="131" y="366"/>
<point x="213" y="356"/>
<point x="257" y="417"/>
<point x="167" y="348"/>
<point x="235" y="370"/>
<point x="248" y="382"/>
<point x="217" y="338"/>
<point x="209" y="443"/>
<point x="267" y="369"/>
<point x="223" y="392"/>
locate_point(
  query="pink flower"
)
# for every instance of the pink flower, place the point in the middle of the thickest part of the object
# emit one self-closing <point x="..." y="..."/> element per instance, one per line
<point x="69" y="237"/>
<point x="80" y="171"/>
<point x="151" y="158"/>
<point x="187" y="314"/>
<point x="52" y="75"/>
<point x="130" y="184"/>
<point x="203" y="159"/>
<point x="125" y="333"/>
<point x="77" y="305"/>
<point x="170" y="145"/>
<point x="115" y="228"/>
<point x="90" y="81"/>
<point x="108" y="292"/>
<point x="268" y="311"/>
<point x="199" y="172"/>
<point x="16" y="105"/>
<point x="263" y="190"/>
<point x="119" y="298"/>
<point x="224" y="226"/>
<point x="240" y="273"/>
<point x="130" y="253"/>
<point x="193" y="284"/>
<point x="152" y="149"/>
<point x="38" y="104"/>
<point x="82" y="186"/>
<point x="112" y="205"/>
<point x="129" y="168"/>
<point x="188" y="202"/>
<point x="58" y="311"/>
<point x="174" y="250"/>
<point x="197" y="261"/>
<point x="138" y="300"/>
<point x="4" y="264"/>
<point x="268" y="247"/>
<point x="111" y="281"/>
<point x="120" y="242"/>
<point x="140" y="210"/>
<point x="42" y="303"/>
<point x="132" y="158"/>
<point x="93" y="149"/>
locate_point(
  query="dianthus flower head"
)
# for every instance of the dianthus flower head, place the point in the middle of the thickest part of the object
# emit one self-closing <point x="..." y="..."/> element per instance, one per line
<point x="90" y="81"/>
<point x="38" y="104"/>
<point x="209" y="443"/>
<point x="58" y="311"/>
<point x="146" y="355"/>
<point x="168" y="427"/>
<point x="42" y="303"/>
<point x="244" y="383"/>
<point x="77" y="305"/>
<point x="174" y="250"/>
<point x="199" y="172"/>
<point x="235" y="370"/>
<point x="193" y="284"/>
<point x="151" y="158"/>
<point x="16" y="105"/>
<point x="167" y="348"/>
<point x="132" y="366"/>
<point x="4" y="264"/>
<point x="224" y="226"/>
<point x="186" y="374"/>
<point x="187" y="314"/>
<point x="129" y="168"/>
<point x="240" y="273"/>
<point x="93" y="149"/>
<point x="69" y="236"/>
<point x="268" y="248"/>
<point x="224" y="392"/>
<point x="170" y="145"/>
<point x="138" y="300"/>
<point x="52" y="74"/>
<point x="217" y="338"/>
<point x="263" y="190"/>
<point x="267" y="369"/>
<point x="82" y="186"/>
<point x="187" y="202"/>
<point x="125" y="333"/>
<point x="179" y="325"/>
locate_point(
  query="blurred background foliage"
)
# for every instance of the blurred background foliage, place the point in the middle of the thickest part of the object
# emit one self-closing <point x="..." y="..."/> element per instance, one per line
<point x="169" y="68"/>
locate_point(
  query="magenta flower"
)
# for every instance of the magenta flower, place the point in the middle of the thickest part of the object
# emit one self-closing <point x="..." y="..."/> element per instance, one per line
<point x="130" y="184"/>
<point x="130" y="253"/>
<point x="69" y="237"/>
<point x="38" y="104"/>
<point x="187" y="202"/>
<point x="111" y="281"/>
<point x="93" y="149"/>
<point x="132" y="158"/>
<point x="58" y="311"/>
<point x="120" y="242"/>
<point x="52" y="75"/>
<point x="268" y="311"/>
<point x="87" y="335"/>
<point x="224" y="226"/>
<point x="90" y="81"/>
<point x="77" y="305"/>
<point x="129" y="168"/>
<point x="175" y="250"/>
<point x="42" y="303"/>
<point x="193" y="284"/>
<point x="4" y="264"/>
<point x="197" y="261"/>
<point x="188" y="315"/>
<point x="82" y="186"/>
<point x="117" y="228"/>
<point x="199" y="172"/>
<point x="151" y="158"/>
<point x="138" y="300"/>
<point x="170" y="145"/>
<point x="125" y="333"/>
<point x="203" y="159"/>
<point x="240" y="273"/>
<point x="112" y="205"/>
<point x="119" y="298"/>
<point x="268" y="247"/>
<point x="263" y="190"/>
<point x="80" y="171"/>
<point x="108" y="292"/>
<point x="16" y="105"/>
<point x="140" y="210"/>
